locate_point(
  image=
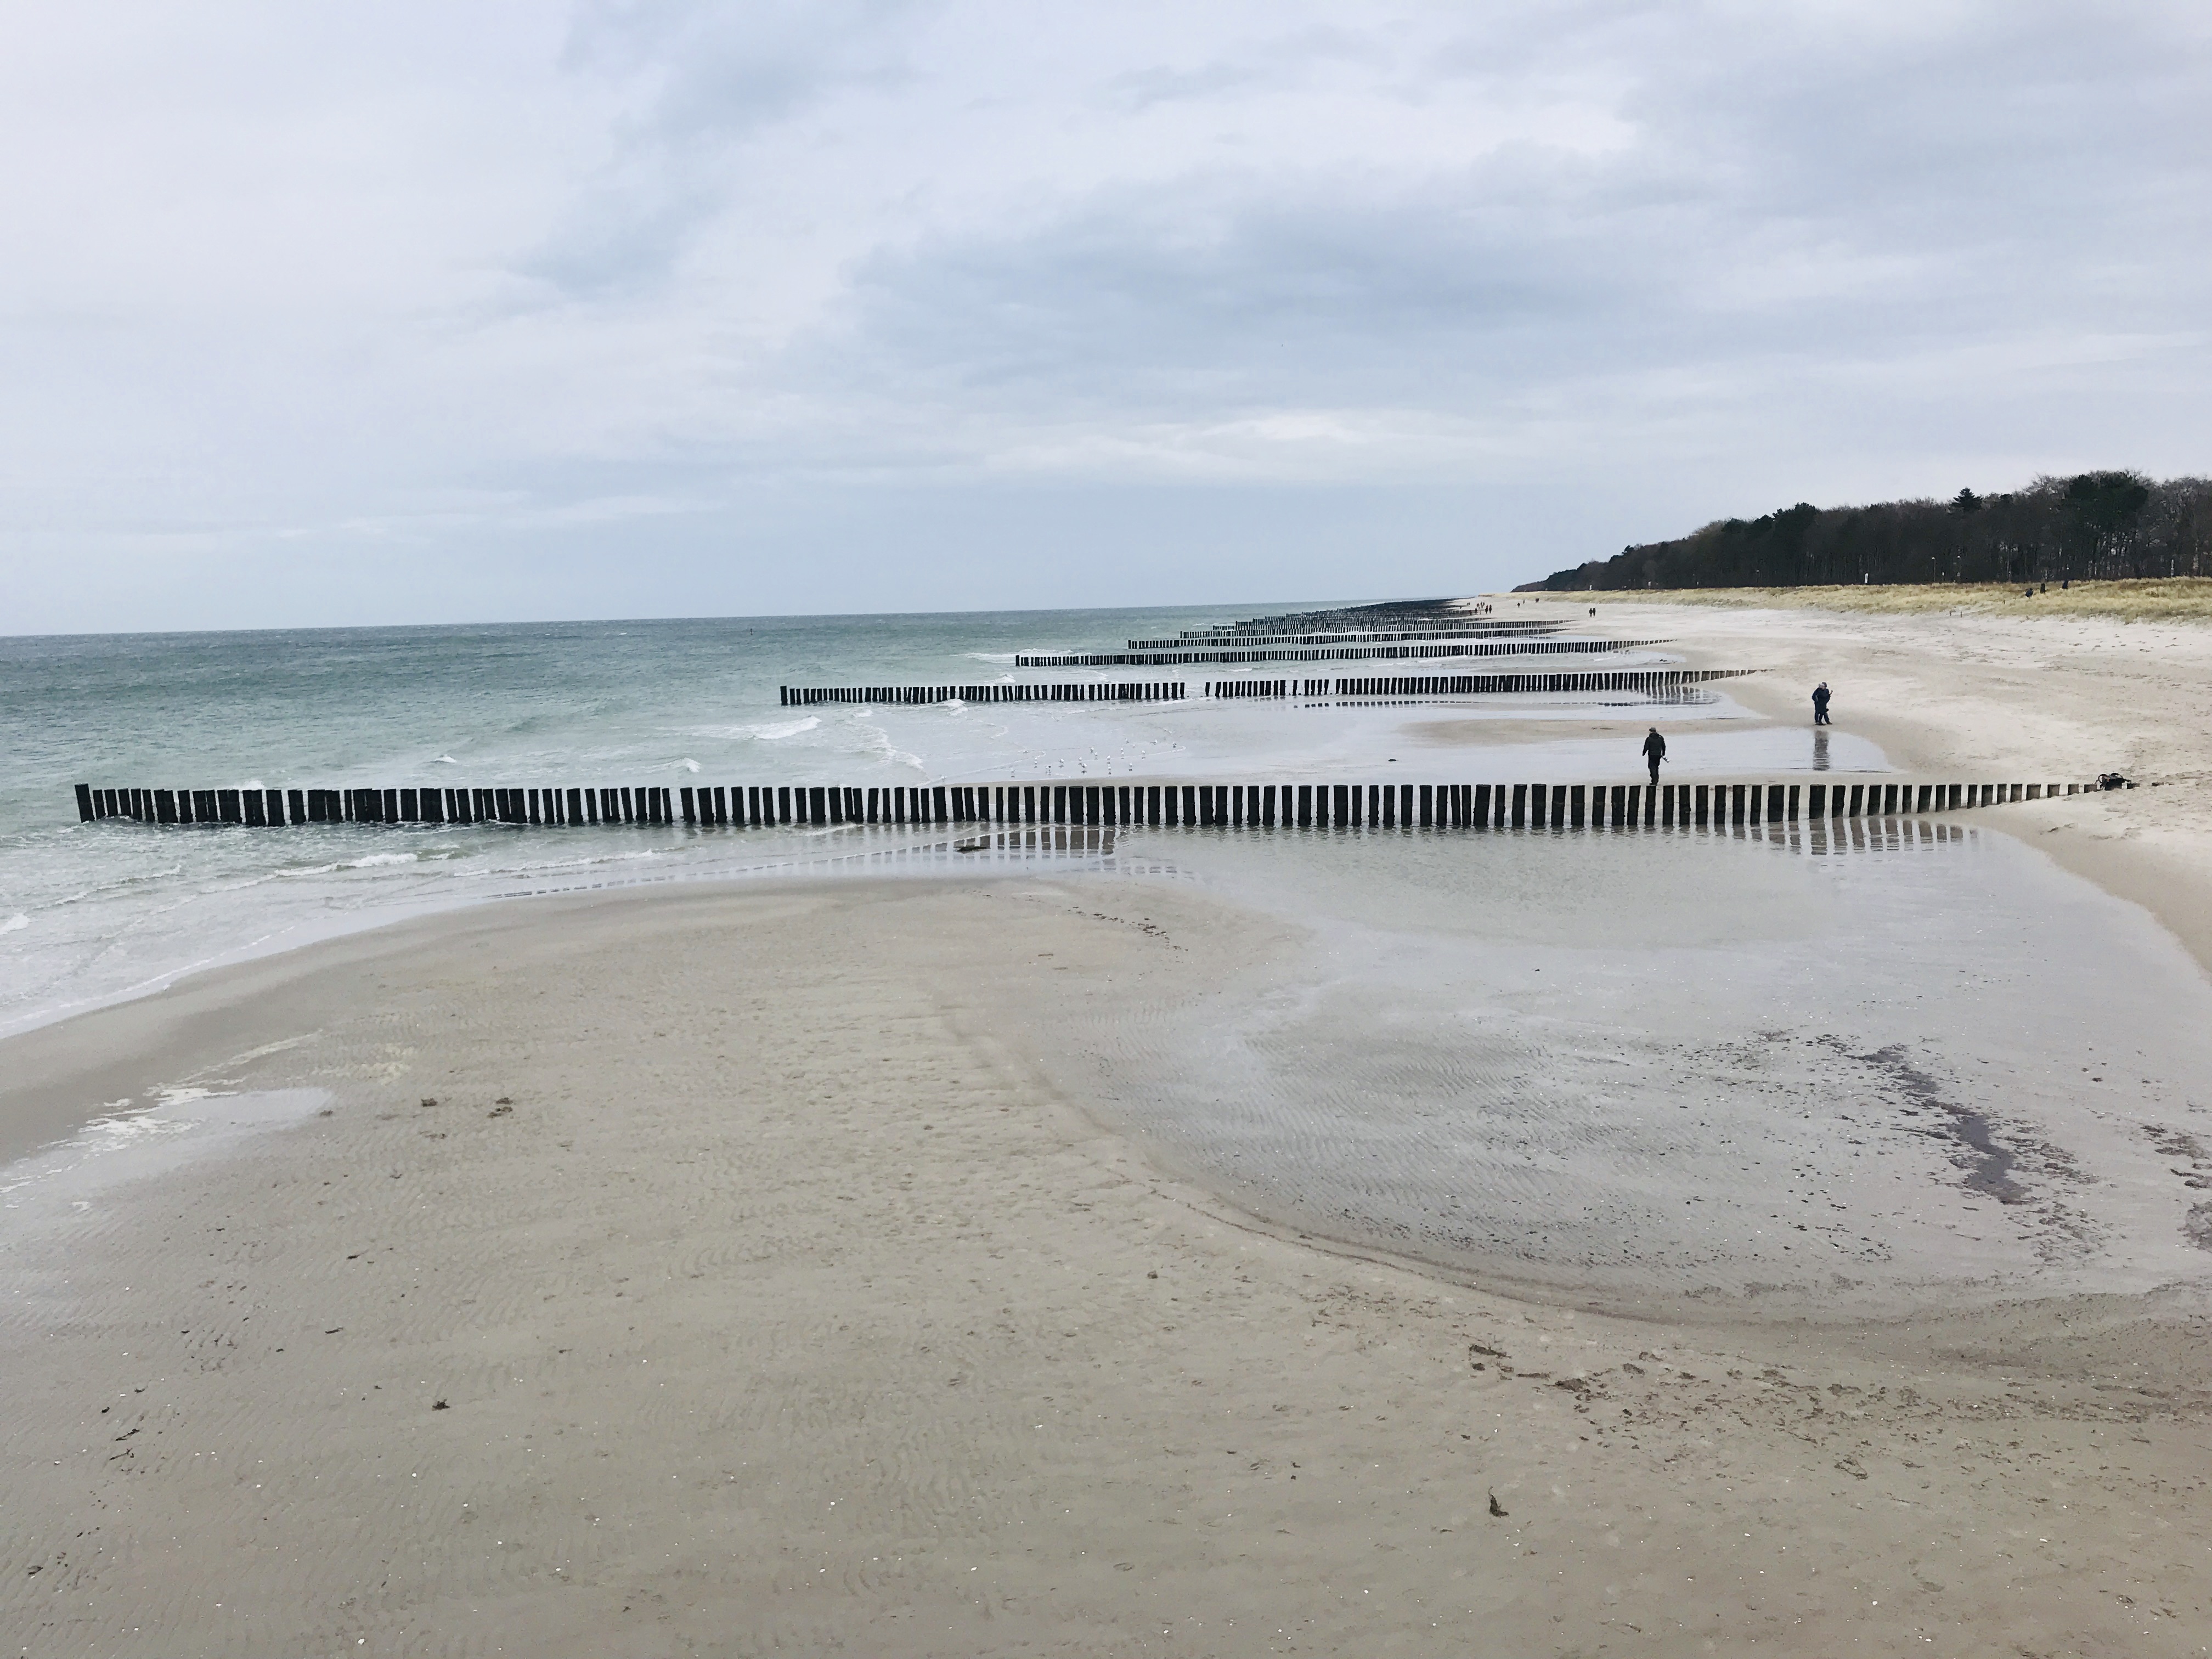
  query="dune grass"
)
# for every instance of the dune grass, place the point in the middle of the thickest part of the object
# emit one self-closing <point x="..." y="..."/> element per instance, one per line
<point x="2178" y="598"/>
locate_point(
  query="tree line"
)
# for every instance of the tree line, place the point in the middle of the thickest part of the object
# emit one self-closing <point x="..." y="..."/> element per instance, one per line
<point x="2091" y="526"/>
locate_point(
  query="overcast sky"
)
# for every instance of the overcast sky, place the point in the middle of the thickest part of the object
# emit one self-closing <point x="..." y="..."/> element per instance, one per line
<point x="313" y="313"/>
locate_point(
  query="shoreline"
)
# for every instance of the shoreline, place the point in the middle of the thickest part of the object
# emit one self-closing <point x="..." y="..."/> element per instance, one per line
<point x="724" y="1262"/>
<point x="2069" y="696"/>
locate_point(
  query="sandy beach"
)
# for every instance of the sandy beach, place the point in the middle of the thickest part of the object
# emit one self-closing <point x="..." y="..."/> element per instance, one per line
<point x="758" y="1269"/>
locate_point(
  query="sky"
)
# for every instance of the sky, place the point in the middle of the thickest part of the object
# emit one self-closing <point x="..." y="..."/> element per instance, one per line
<point x="314" y="314"/>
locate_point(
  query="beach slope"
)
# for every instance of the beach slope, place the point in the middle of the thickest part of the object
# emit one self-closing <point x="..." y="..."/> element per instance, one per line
<point x="715" y="1271"/>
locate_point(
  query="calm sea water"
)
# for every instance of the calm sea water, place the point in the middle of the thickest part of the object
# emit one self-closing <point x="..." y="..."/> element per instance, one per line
<point x="90" y="914"/>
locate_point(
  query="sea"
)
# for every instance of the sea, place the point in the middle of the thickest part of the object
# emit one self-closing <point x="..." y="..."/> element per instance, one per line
<point x="1703" y="1063"/>
<point x="90" y="914"/>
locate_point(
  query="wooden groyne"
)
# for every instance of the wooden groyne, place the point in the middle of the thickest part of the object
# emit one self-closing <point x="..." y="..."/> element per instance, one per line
<point x="1244" y="806"/>
<point x="1191" y="639"/>
<point x="799" y="696"/>
<point x="1384" y="685"/>
<point x="1409" y="615"/>
<point x="1172" y="655"/>
<point x="1464" y="685"/>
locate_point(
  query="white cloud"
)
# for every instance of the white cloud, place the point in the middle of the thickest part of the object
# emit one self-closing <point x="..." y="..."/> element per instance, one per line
<point x="662" y="292"/>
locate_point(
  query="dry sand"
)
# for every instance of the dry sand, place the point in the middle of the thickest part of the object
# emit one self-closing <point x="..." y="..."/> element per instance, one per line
<point x="748" y="1289"/>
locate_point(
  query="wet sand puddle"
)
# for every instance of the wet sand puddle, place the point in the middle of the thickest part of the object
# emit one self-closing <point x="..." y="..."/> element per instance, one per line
<point x="1895" y="1064"/>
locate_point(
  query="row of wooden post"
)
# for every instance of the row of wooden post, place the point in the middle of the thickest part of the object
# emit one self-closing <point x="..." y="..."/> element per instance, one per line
<point x="1320" y="805"/>
<point x="799" y="696"/>
<point x="1193" y="638"/>
<point x="650" y="803"/>
<point x="1388" y="685"/>
<point x="1462" y="686"/>
<point x="1155" y="654"/>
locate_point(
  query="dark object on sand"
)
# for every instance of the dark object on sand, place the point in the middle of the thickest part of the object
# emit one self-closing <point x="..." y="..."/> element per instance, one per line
<point x="1821" y="703"/>
<point x="1497" y="1508"/>
<point x="2112" y="780"/>
<point x="440" y="1405"/>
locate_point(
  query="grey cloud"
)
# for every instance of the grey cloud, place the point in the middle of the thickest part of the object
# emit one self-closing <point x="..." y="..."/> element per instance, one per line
<point x="1784" y="200"/>
<point x="720" y="70"/>
<point x="706" y="79"/>
<point x="1276" y="61"/>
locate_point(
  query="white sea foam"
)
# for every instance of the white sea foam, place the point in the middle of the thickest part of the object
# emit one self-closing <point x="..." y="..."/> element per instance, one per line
<point x="127" y="1143"/>
<point x="121" y="910"/>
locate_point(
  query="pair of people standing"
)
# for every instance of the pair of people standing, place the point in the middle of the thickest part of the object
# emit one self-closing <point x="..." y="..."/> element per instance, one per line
<point x="1655" y="746"/>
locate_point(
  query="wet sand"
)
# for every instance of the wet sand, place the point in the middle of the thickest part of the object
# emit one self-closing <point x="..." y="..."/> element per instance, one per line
<point x="2005" y="697"/>
<point x="765" y="1279"/>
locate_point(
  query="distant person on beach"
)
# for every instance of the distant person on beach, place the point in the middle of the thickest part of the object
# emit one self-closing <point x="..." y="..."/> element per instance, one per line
<point x="1655" y="750"/>
<point x="1821" y="703"/>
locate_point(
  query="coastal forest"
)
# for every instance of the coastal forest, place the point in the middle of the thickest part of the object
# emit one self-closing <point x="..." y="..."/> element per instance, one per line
<point x="2091" y="526"/>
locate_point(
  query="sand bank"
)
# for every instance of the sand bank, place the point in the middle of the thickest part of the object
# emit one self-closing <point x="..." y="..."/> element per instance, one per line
<point x="761" y="1280"/>
<point x="2001" y="695"/>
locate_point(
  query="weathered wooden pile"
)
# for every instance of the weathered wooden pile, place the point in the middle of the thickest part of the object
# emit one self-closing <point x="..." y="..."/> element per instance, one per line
<point x="1167" y="804"/>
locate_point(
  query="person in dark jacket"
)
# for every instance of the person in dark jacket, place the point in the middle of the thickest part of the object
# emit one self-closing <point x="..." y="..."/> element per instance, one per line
<point x="1655" y="750"/>
<point x="1821" y="703"/>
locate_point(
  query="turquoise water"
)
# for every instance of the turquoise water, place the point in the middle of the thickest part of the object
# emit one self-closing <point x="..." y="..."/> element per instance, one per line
<point x="90" y="914"/>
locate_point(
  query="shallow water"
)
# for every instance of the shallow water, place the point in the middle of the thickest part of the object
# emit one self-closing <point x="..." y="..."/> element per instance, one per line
<point x="90" y="914"/>
<point x="1904" y="1062"/>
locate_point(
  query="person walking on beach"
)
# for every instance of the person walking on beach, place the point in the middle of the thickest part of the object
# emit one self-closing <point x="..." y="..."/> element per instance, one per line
<point x="1655" y="750"/>
<point x="1821" y="703"/>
